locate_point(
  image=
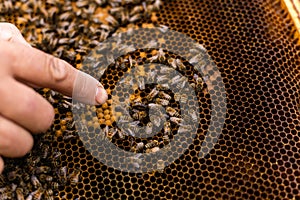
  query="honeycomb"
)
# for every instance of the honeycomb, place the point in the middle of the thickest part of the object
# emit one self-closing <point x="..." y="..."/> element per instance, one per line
<point x="257" y="153"/>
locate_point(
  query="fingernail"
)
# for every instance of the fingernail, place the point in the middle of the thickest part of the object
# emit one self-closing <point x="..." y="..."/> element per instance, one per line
<point x="101" y="94"/>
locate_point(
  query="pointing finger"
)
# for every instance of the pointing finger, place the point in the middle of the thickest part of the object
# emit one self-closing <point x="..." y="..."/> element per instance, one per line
<point x="36" y="67"/>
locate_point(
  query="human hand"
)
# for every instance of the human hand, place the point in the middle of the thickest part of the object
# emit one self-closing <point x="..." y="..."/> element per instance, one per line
<point x="22" y="110"/>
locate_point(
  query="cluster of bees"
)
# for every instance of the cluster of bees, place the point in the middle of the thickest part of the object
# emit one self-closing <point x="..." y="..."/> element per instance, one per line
<point x="69" y="29"/>
<point x="40" y="173"/>
<point x="158" y="98"/>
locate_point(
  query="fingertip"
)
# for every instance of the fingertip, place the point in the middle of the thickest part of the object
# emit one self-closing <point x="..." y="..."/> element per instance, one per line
<point x="101" y="94"/>
<point x="87" y="89"/>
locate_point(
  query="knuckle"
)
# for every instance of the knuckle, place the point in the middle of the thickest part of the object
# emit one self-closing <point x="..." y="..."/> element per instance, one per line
<point x="58" y="69"/>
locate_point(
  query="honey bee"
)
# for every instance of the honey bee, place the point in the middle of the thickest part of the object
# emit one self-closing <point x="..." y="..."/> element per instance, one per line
<point x="137" y="9"/>
<point x="100" y="2"/>
<point x="160" y="166"/>
<point x="125" y="119"/>
<point x="160" y="56"/>
<point x="2" y="180"/>
<point x="25" y="177"/>
<point x="111" y="20"/>
<point x="12" y="175"/>
<point x="166" y="139"/>
<point x="56" y="154"/>
<point x="126" y="48"/>
<point x="37" y="195"/>
<point x="81" y="4"/>
<point x="199" y="83"/>
<point x="193" y="115"/>
<point x="162" y="102"/>
<point x="151" y="76"/>
<point x="184" y="128"/>
<point x="103" y="35"/>
<point x="135" y="160"/>
<point x="125" y="18"/>
<point x="63" y="41"/>
<point x="164" y="95"/>
<point x="135" y="18"/>
<point x="176" y="120"/>
<point x="152" y="150"/>
<point x="4" y="189"/>
<point x="196" y="59"/>
<point x="8" y="5"/>
<point x="157" y="119"/>
<point x="166" y="70"/>
<point x="128" y="80"/>
<point x="139" y="146"/>
<point x="151" y="144"/>
<point x="19" y="194"/>
<point x="35" y="182"/>
<point x="62" y="172"/>
<point x="106" y="27"/>
<point x="69" y="137"/>
<point x="162" y="87"/>
<point x="131" y="61"/>
<point x="163" y="28"/>
<point x="116" y="10"/>
<point x="141" y="83"/>
<point x="157" y="4"/>
<point x="167" y="128"/>
<point x="151" y="44"/>
<point x="172" y="112"/>
<point x="120" y="134"/>
<point x="42" y="169"/>
<point x="172" y="62"/>
<point x="56" y="163"/>
<point x="139" y="115"/>
<point x="45" y="151"/>
<point x="138" y="104"/>
<point x="74" y="177"/>
<point x="163" y="78"/>
<point x="65" y="16"/>
<point x="91" y="9"/>
<point x="48" y="194"/>
<point x="132" y="128"/>
<point x="29" y="197"/>
<point x="183" y="98"/>
<point x="110" y="133"/>
<point x="179" y="81"/>
<point x="152" y="94"/>
<point x="54" y="185"/>
<point x="179" y="64"/>
<point x="45" y="178"/>
<point x="70" y="124"/>
<point x="149" y="128"/>
<point x="6" y="195"/>
<point x="33" y="160"/>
